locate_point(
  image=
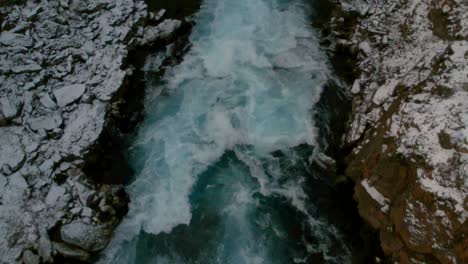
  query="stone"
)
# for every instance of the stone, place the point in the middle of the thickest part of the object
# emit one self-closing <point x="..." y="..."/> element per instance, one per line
<point x="15" y="40"/>
<point x="45" y="122"/>
<point x="86" y="212"/>
<point x="76" y="210"/>
<point x="10" y="108"/>
<point x="92" y="238"/>
<point x="69" y="94"/>
<point x="46" y="101"/>
<point x="12" y="154"/>
<point x="356" y="88"/>
<point x="55" y="192"/>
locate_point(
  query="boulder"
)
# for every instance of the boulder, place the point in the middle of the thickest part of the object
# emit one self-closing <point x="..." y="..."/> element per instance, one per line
<point x="91" y="238"/>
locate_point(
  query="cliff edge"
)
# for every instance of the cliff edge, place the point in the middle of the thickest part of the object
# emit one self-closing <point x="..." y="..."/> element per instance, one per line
<point x="409" y="125"/>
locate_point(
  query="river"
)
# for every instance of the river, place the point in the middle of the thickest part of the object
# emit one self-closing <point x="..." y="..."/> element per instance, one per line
<point x="222" y="157"/>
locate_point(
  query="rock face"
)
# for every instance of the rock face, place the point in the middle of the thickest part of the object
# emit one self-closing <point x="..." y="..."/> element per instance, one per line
<point x="62" y="70"/>
<point x="409" y="123"/>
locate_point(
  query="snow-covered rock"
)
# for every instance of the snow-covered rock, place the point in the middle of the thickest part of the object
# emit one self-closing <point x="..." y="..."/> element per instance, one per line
<point x="62" y="69"/>
<point x="69" y="94"/>
<point x="409" y="124"/>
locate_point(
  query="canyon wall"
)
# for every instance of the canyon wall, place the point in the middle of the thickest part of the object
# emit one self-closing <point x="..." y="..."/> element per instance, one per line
<point x="408" y="130"/>
<point x="64" y="74"/>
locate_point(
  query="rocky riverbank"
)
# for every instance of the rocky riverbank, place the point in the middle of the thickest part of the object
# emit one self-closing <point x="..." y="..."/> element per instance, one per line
<point x="64" y="84"/>
<point x="407" y="138"/>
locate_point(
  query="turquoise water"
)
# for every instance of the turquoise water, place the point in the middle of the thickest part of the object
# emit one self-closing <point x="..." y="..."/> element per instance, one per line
<point x="222" y="157"/>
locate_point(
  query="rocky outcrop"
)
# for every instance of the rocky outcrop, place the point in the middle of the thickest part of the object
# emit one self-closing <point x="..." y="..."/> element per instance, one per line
<point x="63" y="70"/>
<point x="408" y="131"/>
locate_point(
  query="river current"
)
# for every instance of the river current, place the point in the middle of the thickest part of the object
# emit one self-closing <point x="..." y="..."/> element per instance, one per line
<point x="222" y="158"/>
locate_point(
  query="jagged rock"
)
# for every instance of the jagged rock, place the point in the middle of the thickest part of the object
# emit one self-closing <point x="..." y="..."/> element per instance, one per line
<point x="12" y="154"/>
<point x="9" y="107"/>
<point x="69" y="94"/>
<point x="47" y="101"/>
<point x="55" y="192"/>
<point x="91" y="238"/>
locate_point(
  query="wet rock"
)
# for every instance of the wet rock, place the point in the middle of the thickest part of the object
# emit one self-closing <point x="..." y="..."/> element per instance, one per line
<point x="91" y="238"/>
<point x="71" y="252"/>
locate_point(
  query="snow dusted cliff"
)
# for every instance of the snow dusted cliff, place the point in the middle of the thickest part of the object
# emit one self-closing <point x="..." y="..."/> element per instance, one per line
<point x="63" y="71"/>
<point x="409" y="127"/>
